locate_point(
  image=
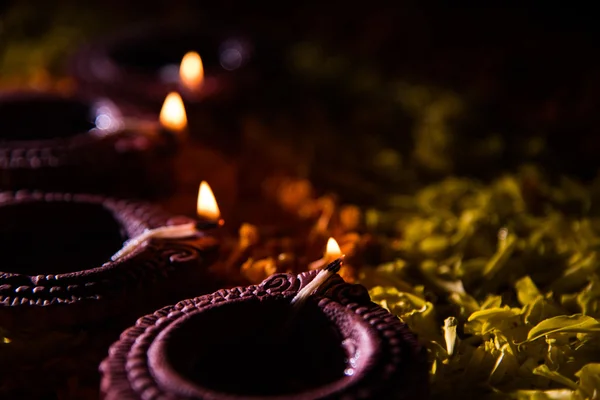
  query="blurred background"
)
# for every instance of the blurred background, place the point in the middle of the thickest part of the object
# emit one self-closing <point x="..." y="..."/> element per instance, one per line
<point x="361" y="98"/>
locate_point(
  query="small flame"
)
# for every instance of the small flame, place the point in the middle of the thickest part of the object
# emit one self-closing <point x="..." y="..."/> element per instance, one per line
<point x="191" y="71"/>
<point x="207" y="208"/>
<point x="172" y="114"/>
<point x="333" y="249"/>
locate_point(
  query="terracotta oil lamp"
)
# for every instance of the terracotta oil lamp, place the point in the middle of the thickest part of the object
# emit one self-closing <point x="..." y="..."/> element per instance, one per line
<point x="240" y="343"/>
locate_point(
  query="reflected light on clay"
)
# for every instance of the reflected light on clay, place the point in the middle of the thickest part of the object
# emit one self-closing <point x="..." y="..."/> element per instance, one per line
<point x="231" y="59"/>
<point x="108" y="118"/>
<point x="104" y="122"/>
<point x="233" y="53"/>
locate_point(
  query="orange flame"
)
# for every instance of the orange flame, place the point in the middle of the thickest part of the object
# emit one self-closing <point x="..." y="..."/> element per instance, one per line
<point x="207" y="207"/>
<point x="172" y="114"/>
<point x="333" y="250"/>
<point x="191" y="71"/>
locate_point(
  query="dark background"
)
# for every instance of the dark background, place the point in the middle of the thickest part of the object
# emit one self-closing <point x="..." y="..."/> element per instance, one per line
<point x="331" y="74"/>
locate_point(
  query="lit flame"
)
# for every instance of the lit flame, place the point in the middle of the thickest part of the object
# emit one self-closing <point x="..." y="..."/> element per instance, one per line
<point x="207" y="208"/>
<point x="191" y="71"/>
<point x="333" y="250"/>
<point x="172" y="114"/>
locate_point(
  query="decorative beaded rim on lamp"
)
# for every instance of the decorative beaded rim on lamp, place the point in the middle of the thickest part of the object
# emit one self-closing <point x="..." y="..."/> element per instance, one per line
<point x="141" y="364"/>
<point x="92" y="293"/>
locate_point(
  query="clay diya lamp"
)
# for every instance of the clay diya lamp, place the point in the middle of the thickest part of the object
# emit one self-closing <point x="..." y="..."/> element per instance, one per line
<point x="60" y="295"/>
<point x="51" y="142"/>
<point x="141" y="65"/>
<point x="206" y="64"/>
<point x="239" y="343"/>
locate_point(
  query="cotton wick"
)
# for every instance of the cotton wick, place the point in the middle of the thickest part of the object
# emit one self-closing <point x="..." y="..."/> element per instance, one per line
<point x="164" y="232"/>
<point x="320" y="279"/>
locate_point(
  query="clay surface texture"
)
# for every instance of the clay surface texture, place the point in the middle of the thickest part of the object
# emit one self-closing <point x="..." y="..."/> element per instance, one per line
<point x="248" y="342"/>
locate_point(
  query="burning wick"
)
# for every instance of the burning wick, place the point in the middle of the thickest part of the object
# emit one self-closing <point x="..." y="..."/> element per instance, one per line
<point x="332" y="252"/>
<point x="172" y="114"/>
<point x="207" y="208"/>
<point x="209" y="217"/>
<point x="300" y="297"/>
<point x="321" y="278"/>
<point x="191" y="71"/>
<point x="173" y="119"/>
